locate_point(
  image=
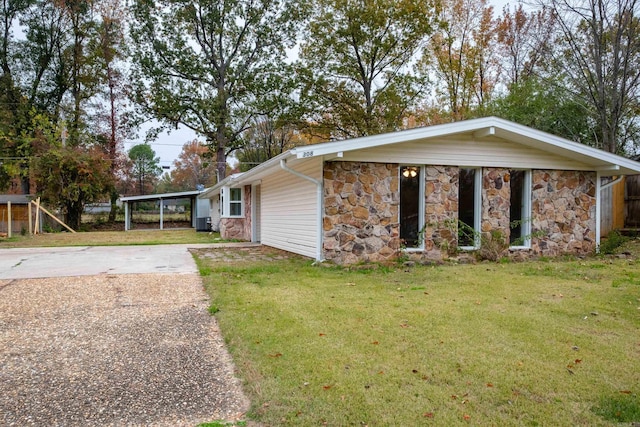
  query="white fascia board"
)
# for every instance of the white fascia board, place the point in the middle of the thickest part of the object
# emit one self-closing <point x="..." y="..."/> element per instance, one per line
<point x="600" y="159"/>
<point x="487" y="126"/>
<point x="161" y="196"/>
<point x="210" y="192"/>
<point x="257" y="173"/>
<point x="392" y="138"/>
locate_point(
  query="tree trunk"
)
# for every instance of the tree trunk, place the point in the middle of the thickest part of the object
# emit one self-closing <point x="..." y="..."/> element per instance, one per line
<point x="73" y="215"/>
<point x="114" y="206"/>
<point x="221" y="164"/>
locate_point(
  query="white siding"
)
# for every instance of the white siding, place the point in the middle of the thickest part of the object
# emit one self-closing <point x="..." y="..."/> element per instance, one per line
<point x="288" y="209"/>
<point x="463" y="151"/>
<point x="256" y="216"/>
<point x="215" y="212"/>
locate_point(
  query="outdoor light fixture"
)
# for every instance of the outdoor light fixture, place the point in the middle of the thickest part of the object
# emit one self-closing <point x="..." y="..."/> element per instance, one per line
<point x="410" y="171"/>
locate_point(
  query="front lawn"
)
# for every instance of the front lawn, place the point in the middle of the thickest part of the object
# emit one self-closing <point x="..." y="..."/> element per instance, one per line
<point x="111" y="238"/>
<point x="538" y="343"/>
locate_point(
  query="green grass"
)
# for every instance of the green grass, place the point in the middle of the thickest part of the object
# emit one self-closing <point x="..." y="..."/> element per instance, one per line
<point x="223" y="424"/>
<point x="539" y="343"/>
<point x="111" y="238"/>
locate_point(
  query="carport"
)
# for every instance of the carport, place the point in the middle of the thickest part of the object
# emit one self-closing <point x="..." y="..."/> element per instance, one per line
<point x="161" y="199"/>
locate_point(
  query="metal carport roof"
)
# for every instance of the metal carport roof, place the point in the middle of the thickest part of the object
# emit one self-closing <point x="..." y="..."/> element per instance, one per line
<point x="191" y="195"/>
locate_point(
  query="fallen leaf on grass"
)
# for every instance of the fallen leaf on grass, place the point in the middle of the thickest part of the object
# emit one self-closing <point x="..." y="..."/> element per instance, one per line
<point x="375" y="343"/>
<point x="625" y="391"/>
<point x="275" y="355"/>
<point x="466" y="417"/>
<point x="489" y="385"/>
<point x="326" y="387"/>
<point x="322" y="335"/>
<point x="428" y="415"/>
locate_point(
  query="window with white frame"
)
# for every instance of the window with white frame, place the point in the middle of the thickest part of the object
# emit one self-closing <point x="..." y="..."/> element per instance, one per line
<point x="232" y="202"/>
<point x="520" y="208"/>
<point x="411" y="206"/>
<point x="469" y="207"/>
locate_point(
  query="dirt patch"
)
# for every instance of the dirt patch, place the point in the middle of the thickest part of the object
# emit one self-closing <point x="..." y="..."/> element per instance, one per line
<point x="248" y="254"/>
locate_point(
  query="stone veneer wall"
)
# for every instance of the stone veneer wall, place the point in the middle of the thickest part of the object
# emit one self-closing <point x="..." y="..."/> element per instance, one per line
<point x="238" y="228"/>
<point x="360" y="221"/>
<point x="563" y="212"/>
<point x="496" y="198"/>
<point x="361" y="208"/>
<point x="441" y="211"/>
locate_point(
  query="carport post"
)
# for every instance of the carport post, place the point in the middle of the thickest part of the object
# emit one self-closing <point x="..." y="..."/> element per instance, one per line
<point x="161" y="213"/>
<point x="126" y="216"/>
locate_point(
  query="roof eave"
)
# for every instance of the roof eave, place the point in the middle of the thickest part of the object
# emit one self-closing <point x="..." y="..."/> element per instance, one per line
<point x="482" y="127"/>
<point x="246" y="177"/>
<point x="162" y="196"/>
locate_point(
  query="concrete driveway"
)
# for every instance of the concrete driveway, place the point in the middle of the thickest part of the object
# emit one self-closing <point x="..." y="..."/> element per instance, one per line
<point x="30" y="263"/>
<point x="110" y="336"/>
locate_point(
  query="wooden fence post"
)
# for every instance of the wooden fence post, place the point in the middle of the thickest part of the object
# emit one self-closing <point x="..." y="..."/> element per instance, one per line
<point x="9" y="219"/>
<point x="54" y="217"/>
<point x="29" y="217"/>
<point x="37" y="220"/>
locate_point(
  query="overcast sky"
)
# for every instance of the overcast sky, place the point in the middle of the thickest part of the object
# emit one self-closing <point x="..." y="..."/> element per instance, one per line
<point x="168" y="146"/>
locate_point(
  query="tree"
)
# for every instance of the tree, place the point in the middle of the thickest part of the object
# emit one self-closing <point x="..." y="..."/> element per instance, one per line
<point x="82" y="72"/>
<point x="278" y="127"/>
<point x="533" y="102"/>
<point x="111" y="109"/>
<point x="524" y="40"/>
<point x="13" y="107"/>
<point x="266" y="139"/>
<point x="462" y="55"/>
<point x="357" y="57"/>
<point x="67" y="177"/>
<point x="201" y="64"/>
<point x="192" y="169"/>
<point x="599" y="57"/>
<point x="53" y="75"/>
<point x="144" y="167"/>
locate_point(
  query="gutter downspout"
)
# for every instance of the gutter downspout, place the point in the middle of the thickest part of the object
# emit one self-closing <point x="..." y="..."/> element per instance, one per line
<point x="598" y="209"/>
<point x="614" y="182"/>
<point x="318" y="184"/>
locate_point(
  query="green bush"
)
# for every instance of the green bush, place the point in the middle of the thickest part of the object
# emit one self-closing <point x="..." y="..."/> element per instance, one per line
<point x="613" y="241"/>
